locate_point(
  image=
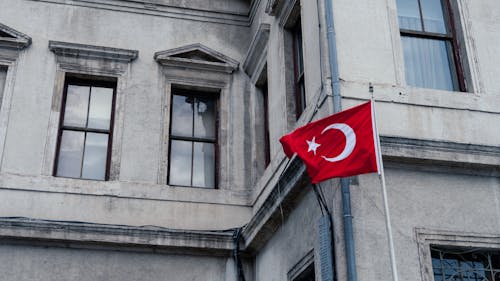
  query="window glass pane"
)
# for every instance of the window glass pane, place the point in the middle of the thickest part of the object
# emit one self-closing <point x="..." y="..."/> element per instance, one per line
<point x="204" y="165"/>
<point x="70" y="154"/>
<point x="77" y="101"/>
<point x="204" y="118"/>
<point x="182" y="115"/>
<point x="100" y="108"/>
<point x="432" y="12"/>
<point x="409" y="15"/>
<point x="95" y="158"/>
<point x="3" y="76"/>
<point x="300" y="55"/>
<point x="180" y="163"/>
<point x="428" y="63"/>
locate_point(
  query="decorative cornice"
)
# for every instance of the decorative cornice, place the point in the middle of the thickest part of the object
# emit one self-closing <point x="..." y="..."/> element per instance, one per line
<point x="17" y="41"/>
<point x="84" y="51"/>
<point x="115" y="235"/>
<point x="157" y="9"/>
<point x="213" y="61"/>
<point x="273" y="7"/>
<point x="257" y="50"/>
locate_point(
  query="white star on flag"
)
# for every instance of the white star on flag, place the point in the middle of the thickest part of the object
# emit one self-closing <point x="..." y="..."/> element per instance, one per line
<point x="312" y="145"/>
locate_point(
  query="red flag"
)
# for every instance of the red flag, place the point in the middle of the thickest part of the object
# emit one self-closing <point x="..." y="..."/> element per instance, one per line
<point x="340" y="145"/>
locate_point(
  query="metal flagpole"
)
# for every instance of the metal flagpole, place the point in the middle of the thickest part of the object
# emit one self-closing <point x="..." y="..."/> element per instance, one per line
<point x="384" y="192"/>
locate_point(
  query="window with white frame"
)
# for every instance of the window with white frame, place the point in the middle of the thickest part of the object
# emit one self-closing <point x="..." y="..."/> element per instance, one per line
<point x="430" y="45"/>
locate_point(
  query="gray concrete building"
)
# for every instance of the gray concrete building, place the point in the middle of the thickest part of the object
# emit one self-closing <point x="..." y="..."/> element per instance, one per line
<point x="139" y="139"/>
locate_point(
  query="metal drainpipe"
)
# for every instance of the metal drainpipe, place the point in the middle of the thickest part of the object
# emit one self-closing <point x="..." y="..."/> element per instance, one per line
<point x="344" y="182"/>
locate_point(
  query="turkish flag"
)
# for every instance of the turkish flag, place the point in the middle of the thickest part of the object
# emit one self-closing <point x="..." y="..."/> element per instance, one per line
<point x="340" y="145"/>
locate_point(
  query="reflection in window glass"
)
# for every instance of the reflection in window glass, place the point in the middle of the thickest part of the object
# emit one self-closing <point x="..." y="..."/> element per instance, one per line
<point x="70" y="154"/>
<point x="94" y="160"/>
<point x="193" y="139"/>
<point x="409" y="15"/>
<point x="203" y="164"/>
<point x="100" y="108"/>
<point x="180" y="162"/>
<point x="77" y="103"/>
<point x="204" y="118"/>
<point x="182" y="115"/>
<point x="432" y="12"/>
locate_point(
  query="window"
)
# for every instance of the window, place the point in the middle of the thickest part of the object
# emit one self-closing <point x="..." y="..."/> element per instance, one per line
<point x="262" y="86"/>
<point x="430" y="46"/>
<point x="307" y="274"/>
<point x="298" y="69"/>
<point x="193" y="139"/>
<point x="3" y="76"/>
<point x="85" y="131"/>
<point x="465" y="264"/>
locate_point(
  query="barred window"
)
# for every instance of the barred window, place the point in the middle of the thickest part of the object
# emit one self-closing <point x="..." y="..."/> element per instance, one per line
<point x="465" y="264"/>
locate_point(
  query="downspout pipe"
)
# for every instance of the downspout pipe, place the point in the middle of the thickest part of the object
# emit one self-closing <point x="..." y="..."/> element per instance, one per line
<point x="344" y="182"/>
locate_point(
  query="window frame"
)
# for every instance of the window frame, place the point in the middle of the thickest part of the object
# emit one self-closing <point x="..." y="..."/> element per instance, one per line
<point x="263" y="88"/>
<point x="91" y="81"/>
<point x="195" y="93"/>
<point x="451" y="36"/>
<point x="466" y="256"/>
<point x="445" y="238"/>
<point x="298" y="60"/>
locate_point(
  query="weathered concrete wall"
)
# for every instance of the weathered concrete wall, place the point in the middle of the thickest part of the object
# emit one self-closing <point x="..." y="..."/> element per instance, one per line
<point x="292" y="241"/>
<point x="53" y="263"/>
<point x="437" y="200"/>
<point x="27" y="138"/>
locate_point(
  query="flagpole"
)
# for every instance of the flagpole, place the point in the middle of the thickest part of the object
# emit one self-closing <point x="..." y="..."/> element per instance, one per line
<point x="384" y="193"/>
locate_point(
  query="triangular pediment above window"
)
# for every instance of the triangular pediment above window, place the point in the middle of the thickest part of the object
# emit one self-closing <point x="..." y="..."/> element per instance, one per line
<point x="13" y="39"/>
<point x="197" y="56"/>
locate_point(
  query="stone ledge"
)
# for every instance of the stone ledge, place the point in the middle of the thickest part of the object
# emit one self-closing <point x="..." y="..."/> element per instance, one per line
<point x="447" y="153"/>
<point x="158" y="9"/>
<point x="84" y="51"/>
<point x="105" y="235"/>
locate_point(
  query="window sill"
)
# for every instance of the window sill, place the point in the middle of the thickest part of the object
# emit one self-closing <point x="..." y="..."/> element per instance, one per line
<point x="480" y="102"/>
<point x="120" y="189"/>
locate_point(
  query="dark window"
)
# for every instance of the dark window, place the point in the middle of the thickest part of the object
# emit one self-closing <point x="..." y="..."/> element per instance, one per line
<point x="430" y="46"/>
<point x="265" y="103"/>
<point x="86" y="129"/>
<point x="307" y="274"/>
<point x="193" y="139"/>
<point x="298" y="69"/>
<point x="465" y="264"/>
<point x="3" y="76"/>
